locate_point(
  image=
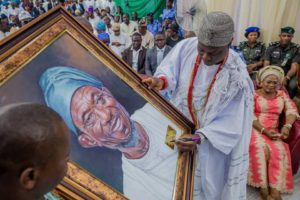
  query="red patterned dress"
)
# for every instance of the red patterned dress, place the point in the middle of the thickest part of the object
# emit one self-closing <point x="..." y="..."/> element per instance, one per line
<point x="276" y="172"/>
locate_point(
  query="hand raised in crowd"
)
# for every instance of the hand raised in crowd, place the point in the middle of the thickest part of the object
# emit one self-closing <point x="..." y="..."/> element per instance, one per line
<point x="117" y="44"/>
<point x="154" y="83"/>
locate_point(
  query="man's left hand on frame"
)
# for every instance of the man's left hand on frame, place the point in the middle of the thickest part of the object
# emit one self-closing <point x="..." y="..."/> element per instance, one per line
<point x="185" y="143"/>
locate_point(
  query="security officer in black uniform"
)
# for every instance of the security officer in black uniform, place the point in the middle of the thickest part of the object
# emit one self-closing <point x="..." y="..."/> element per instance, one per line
<point x="252" y="50"/>
<point x="284" y="53"/>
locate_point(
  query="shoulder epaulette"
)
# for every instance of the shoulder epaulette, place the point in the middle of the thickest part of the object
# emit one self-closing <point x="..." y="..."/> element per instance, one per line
<point x="296" y="45"/>
<point x="261" y="43"/>
<point x="243" y="43"/>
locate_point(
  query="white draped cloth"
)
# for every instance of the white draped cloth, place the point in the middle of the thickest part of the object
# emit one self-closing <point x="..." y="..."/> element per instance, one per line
<point x="226" y="120"/>
<point x="152" y="176"/>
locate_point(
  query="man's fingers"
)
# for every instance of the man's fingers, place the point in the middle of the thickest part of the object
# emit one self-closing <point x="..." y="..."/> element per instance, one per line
<point x="151" y="82"/>
<point x="154" y="83"/>
<point x="186" y="146"/>
<point x="148" y="81"/>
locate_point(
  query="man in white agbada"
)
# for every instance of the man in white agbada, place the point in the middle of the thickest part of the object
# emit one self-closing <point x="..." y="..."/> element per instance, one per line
<point x="209" y="83"/>
<point x="99" y="120"/>
<point x="119" y="41"/>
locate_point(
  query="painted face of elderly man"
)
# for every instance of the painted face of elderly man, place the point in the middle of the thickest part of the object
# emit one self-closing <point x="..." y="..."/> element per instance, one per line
<point x="99" y="120"/>
<point x="92" y="112"/>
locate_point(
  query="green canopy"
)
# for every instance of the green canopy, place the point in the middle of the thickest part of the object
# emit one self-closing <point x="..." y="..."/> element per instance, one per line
<point x="142" y="7"/>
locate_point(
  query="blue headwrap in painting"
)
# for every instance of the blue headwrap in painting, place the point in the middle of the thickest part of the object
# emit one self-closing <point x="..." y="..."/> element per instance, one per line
<point x="59" y="84"/>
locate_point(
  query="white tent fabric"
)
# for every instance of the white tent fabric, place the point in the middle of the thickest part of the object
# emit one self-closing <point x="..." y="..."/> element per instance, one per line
<point x="269" y="15"/>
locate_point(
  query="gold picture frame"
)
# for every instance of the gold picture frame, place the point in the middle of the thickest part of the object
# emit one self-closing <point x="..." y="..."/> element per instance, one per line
<point x="22" y="47"/>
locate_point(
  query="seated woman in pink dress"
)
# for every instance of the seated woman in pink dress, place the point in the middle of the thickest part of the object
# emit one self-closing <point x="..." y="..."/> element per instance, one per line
<point x="270" y="161"/>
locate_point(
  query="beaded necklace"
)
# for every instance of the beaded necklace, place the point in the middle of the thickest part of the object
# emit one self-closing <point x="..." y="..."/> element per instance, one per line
<point x="191" y="87"/>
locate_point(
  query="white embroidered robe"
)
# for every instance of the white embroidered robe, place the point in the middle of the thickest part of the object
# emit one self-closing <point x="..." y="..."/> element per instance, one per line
<point x="222" y="163"/>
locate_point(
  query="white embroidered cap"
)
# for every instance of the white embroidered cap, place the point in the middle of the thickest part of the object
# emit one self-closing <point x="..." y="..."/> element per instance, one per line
<point x="216" y="29"/>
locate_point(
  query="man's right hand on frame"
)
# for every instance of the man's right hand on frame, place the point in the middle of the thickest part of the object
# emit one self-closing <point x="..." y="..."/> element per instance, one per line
<point x="154" y="83"/>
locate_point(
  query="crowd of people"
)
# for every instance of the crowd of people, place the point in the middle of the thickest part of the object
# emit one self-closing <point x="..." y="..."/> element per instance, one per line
<point x="143" y="42"/>
<point x="15" y="13"/>
<point x="153" y="37"/>
<point x="146" y="43"/>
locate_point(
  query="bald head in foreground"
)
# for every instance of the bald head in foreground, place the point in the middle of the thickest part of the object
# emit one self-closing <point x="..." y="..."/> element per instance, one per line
<point x="34" y="150"/>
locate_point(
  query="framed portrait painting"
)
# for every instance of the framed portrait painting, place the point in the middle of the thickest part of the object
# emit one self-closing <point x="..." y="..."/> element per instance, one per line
<point x="119" y="128"/>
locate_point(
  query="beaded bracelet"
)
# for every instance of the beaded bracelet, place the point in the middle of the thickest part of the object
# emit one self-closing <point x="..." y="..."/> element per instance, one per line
<point x="289" y="126"/>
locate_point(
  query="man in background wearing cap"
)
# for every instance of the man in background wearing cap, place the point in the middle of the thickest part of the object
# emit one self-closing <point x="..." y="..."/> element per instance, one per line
<point x="209" y="83"/>
<point x="93" y="19"/>
<point x="102" y="34"/>
<point x="253" y="50"/>
<point x="147" y="37"/>
<point x="118" y="41"/>
<point x="100" y="27"/>
<point x="284" y="53"/>
<point x="117" y="18"/>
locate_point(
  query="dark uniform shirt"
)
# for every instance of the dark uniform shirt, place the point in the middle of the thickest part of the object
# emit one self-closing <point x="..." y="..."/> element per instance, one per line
<point x="254" y="54"/>
<point x="282" y="57"/>
<point x="298" y="56"/>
